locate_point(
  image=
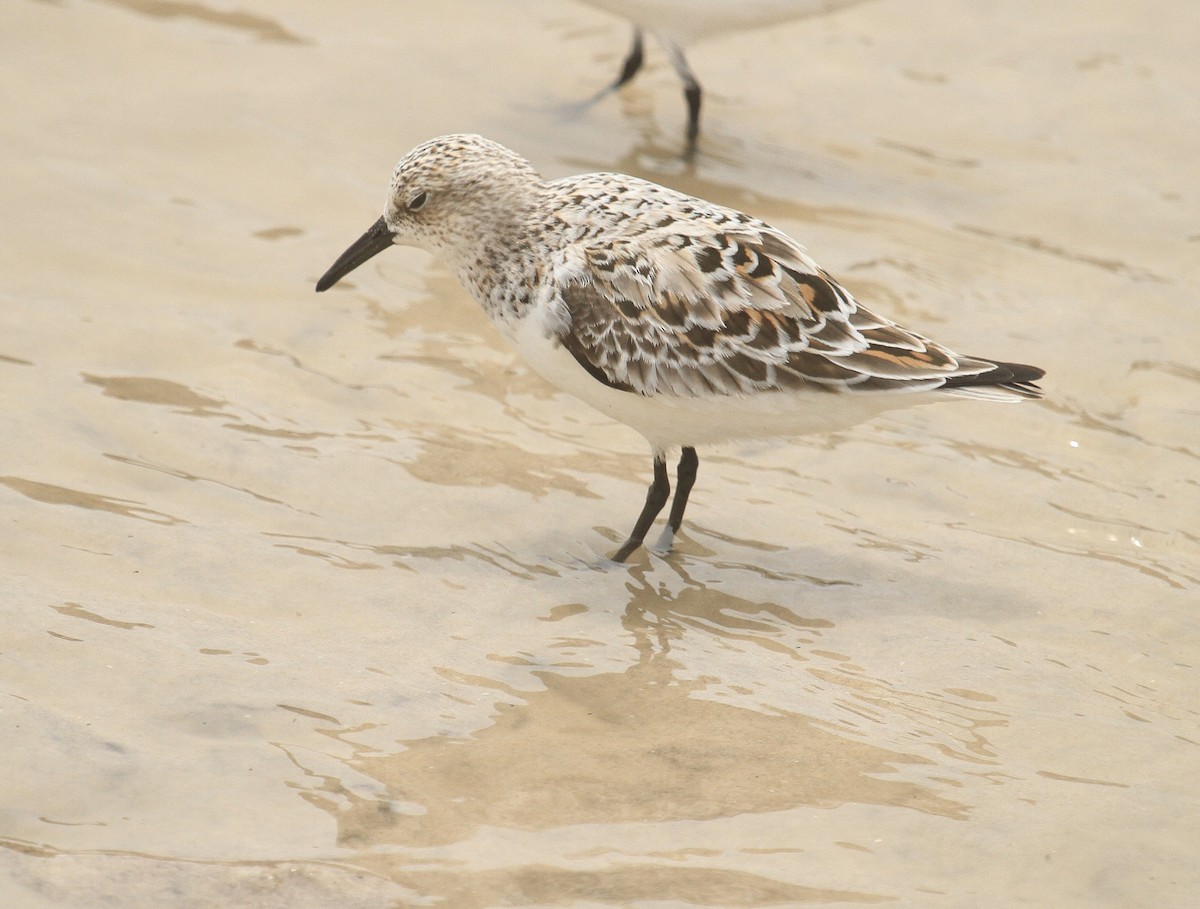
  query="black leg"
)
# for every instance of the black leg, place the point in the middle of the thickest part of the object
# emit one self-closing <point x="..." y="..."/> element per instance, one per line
<point x="656" y="498"/>
<point x="691" y="92"/>
<point x="633" y="62"/>
<point x="685" y="477"/>
<point x="629" y="69"/>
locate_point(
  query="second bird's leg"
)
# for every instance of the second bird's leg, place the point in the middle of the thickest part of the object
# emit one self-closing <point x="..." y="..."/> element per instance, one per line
<point x="629" y="69"/>
<point x="656" y="498"/>
<point x="633" y="61"/>
<point x="691" y="91"/>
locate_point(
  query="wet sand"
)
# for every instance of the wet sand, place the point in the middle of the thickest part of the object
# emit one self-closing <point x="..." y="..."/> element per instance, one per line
<point x="301" y="593"/>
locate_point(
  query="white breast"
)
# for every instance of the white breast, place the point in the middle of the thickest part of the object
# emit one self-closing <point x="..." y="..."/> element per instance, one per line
<point x="671" y="421"/>
<point x="686" y="21"/>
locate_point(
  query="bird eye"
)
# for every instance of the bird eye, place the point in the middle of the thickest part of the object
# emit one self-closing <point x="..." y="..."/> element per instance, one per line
<point x="417" y="201"/>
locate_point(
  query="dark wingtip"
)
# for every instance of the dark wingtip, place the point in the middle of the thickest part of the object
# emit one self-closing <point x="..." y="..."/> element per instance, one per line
<point x="1018" y="377"/>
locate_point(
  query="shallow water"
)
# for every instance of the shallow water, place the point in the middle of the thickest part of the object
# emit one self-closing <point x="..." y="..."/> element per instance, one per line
<point x="302" y="594"/>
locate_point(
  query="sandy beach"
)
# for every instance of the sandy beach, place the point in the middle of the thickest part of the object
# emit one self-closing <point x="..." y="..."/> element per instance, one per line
<point x="304" y="595"/>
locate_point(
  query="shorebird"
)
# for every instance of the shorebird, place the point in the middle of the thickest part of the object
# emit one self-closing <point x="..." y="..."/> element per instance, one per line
<point x="687" y="321"/>
<point x="679" y="23"/>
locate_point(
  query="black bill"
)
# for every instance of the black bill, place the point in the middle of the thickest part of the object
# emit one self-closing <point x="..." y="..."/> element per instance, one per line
<point x="377" y="238"/>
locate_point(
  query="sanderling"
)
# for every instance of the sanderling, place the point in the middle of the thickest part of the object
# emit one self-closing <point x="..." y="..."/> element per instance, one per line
<point x="687" y="321"/>
<point x="679" y="23"/>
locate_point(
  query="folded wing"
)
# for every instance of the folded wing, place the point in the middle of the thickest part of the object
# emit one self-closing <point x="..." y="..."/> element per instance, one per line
<point x="746" y="310"/>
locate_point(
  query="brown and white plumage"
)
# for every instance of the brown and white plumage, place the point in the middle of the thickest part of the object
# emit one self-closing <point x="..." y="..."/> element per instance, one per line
<point x="686" y="320"/>
<point x="733" y="307"/>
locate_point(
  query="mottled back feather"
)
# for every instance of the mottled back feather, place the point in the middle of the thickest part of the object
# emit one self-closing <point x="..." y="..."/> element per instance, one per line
<point x="667" y="310"/>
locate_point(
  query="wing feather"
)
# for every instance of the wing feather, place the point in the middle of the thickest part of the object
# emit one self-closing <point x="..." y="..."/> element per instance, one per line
<point x="736" y="311"/>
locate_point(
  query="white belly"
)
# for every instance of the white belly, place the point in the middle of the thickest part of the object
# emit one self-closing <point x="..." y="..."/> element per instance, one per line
<point x="671" y="421"/>
<point x="686" y="21"/>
